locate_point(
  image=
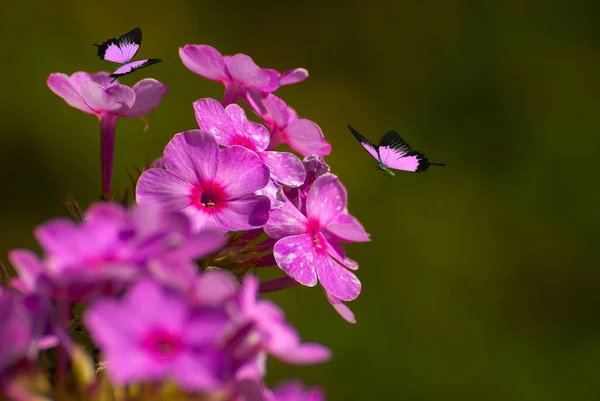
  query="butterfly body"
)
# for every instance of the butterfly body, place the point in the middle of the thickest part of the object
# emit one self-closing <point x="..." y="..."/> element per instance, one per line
<point x="393" y="152"/>
<point x="122" y="51"/>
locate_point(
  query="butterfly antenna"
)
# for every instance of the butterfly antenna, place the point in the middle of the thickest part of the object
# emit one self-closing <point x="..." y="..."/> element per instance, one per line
<point x="437" y="164"/>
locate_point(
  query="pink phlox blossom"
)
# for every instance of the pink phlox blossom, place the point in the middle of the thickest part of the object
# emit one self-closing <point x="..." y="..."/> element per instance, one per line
<point x="214" y="187"/>
<point x="307" y="248"/>
<point x="238" y="73"/>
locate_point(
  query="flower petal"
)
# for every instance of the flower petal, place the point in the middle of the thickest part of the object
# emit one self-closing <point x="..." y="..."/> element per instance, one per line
<point x="244" y="213"/>
<point x="28" y="266"/>
<point x="243" y="69"/>
<point x="113" y="99"/>
<point x="148" y="94"/>
<point x="204" y="60"/>
<point x="338" y="281"/>
<point x="347" y="228"/>
<point x="326" y="199"/>
<point x="285" y="168"/>
<point x="211" y="117"/>
<point x="241" y="172"/>
<point x="158" y="186"/>
<point x="306" y="354"/>
<point x="295" y="255"/>
<point x="306" y="138"/>
<point x="61" y="85"/>
<point x="192" y="155"/>
<point x="340" y="308"/>
<point x="257" y="133"/>
<point x="286" y="220"/>
<point x="294" y="76"/>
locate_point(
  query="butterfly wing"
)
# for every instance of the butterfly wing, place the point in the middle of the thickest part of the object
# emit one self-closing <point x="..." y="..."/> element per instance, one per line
<point x="131" y="67"/>
<point x="395" y="153"/>
<point x="372" y="149"/>
<point x="121" y="50"/>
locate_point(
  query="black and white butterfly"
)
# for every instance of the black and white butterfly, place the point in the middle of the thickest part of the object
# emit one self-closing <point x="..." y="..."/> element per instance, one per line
<point x="122" y="50"/>
<point x="393" y="152"/>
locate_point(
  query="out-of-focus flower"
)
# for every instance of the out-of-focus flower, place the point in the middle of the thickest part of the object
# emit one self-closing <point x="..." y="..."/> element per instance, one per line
<point x="307" y="249"/>
<point x="111" y="247"/>
<point x="230" y="127"/>
<point x="214" y="187"/>
<point x="24" y="330"/>
<point x="238" y="73"/>
<point x="95" y="94"/>
<point x="152" y="335"/>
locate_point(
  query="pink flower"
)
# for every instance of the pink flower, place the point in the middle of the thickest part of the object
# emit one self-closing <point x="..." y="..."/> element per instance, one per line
<point x="110" y="248"/>
<point x="307" y="249"/>
<point x="273" y="334"/>
<point x="238" y="73"/>
<point x="95" y="94"/>
<point x="153" y="334"/>
<point x="230" y="127"/>
<point x="302" y="135"/>
<point x="214" y="187"/>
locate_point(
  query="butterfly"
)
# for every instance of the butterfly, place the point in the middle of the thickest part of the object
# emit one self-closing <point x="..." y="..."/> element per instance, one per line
<point x="394" y="153"/>
<point x="122" y="50"/>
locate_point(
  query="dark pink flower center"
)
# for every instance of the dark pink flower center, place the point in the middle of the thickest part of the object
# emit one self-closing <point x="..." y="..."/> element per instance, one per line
<point x="163" y="344"/>
<point x="314" y="229"/>
<point x="244" y="141"/>
<point x="208" y="196"/>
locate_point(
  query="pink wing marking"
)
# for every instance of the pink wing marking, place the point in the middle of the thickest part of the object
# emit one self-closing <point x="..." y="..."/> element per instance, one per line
<point x="396" y="159"/>
<point x="134" y="65"/>
<point x="123" y="49"/>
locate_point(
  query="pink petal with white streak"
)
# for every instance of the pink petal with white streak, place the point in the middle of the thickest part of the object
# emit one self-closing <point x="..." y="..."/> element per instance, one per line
<point x="296" y="255"/>
<point x="338" y="281"/>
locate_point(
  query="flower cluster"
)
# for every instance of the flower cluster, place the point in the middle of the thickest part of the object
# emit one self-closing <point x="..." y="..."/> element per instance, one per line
<point x="159" y="294"/>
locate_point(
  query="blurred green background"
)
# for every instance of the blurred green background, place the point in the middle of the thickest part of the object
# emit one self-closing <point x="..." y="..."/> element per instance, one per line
<point x="482" y="278"/>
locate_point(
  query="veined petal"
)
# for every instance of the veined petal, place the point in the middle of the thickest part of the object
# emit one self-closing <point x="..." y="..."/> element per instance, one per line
<point x="157" y="186"/>
<point x="192" y="155"/>
<point x="286" y="220"/>
<point x="113" y="99"/>
<point x="244" y="213"/>
<point x="326" y="199"/>
<point x="148" y="94"/>
<point x="295" y="255"/>
<point x="62" y="86"/>
<point x="285" y="168"/>
<point x="211" y="117"/>
<point x="204" y="60"/>
<point x="241" y="172"/>
<point x="338" y="281"/>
